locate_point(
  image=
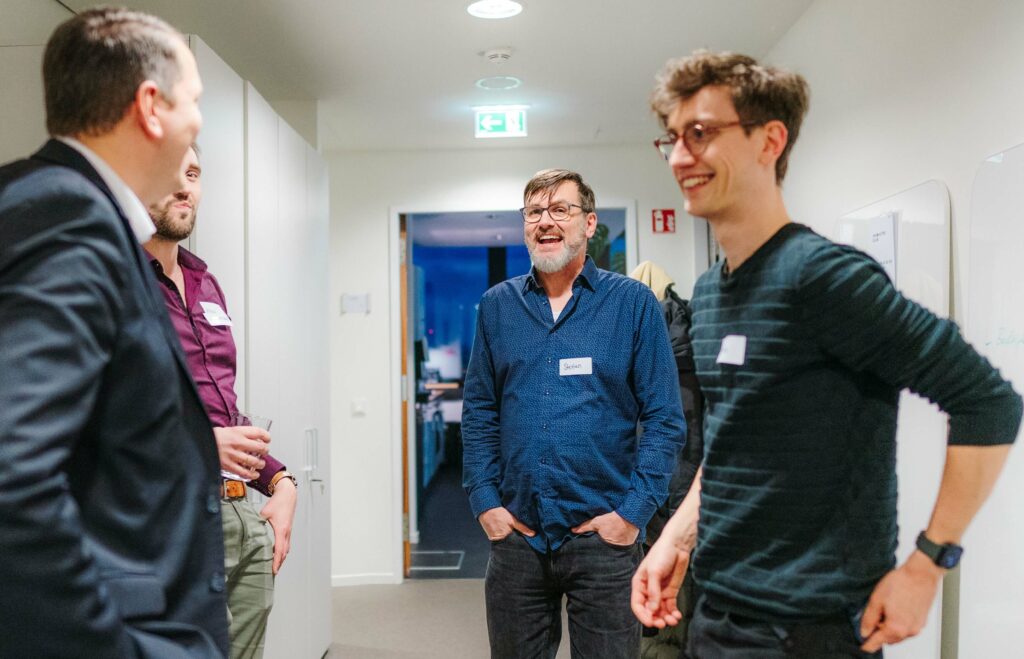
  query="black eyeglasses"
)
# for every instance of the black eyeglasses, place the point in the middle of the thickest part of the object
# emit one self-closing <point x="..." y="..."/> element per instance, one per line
<point x="557" y="212"/>
<point x="696" y="136"/>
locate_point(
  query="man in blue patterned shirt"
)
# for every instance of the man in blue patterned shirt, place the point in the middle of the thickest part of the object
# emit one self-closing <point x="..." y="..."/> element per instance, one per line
<point x="567" y="361"/>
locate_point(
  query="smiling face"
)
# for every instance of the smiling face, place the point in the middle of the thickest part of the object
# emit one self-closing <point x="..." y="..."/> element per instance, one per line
<point x="175" y="215"/>
<point x="717" y="180"/>
<point x="554" y="246"/>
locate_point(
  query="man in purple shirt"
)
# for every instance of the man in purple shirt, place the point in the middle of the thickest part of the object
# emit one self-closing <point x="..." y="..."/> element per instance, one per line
<point x="198" y="312"/>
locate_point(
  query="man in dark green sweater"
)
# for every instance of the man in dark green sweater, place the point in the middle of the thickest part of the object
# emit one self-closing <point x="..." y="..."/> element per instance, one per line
<point x="802" y="348"/>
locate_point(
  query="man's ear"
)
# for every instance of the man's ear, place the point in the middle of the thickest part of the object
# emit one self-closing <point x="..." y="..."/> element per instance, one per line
<point x="591" y="224"/>
<point x="776" y="136"/>
<point x="145" y="107"/>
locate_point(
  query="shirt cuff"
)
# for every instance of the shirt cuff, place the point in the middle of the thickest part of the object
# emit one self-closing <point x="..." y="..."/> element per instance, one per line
<point x="483" y="499"/>
<point x="637" y="510"/>
<point x="262" y="482"/>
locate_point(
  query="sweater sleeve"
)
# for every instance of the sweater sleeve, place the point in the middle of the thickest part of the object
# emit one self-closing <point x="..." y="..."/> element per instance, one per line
<point x="857" y="316"/>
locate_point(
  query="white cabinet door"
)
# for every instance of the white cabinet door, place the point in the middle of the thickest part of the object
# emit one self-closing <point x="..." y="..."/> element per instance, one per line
<point x="288" y="380"/>
<point x="267" y="355"/>
<point x="219" y="236"/>
<point x="289" y="269"/>
<point x="319" y="493"/>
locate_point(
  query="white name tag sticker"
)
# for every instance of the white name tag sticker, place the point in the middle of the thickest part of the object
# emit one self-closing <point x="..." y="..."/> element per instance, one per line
<point x="215" y="315"/>
<point x="734" y="350"/>
<point x="576" y="366"/>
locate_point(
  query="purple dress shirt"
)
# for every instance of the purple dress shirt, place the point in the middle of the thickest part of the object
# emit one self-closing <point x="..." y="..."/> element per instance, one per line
<point x="209" y="347"/>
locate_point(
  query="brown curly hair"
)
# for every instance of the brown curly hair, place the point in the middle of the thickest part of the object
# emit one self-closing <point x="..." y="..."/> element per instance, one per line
<point x="759" y="93"/>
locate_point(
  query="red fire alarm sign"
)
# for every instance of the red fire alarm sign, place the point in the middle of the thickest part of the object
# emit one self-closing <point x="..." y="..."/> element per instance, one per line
<point x="663" y="220"/>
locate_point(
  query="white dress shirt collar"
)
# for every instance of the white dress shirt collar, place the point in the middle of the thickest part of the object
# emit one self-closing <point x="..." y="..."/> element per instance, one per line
<point x="138" y="217"/>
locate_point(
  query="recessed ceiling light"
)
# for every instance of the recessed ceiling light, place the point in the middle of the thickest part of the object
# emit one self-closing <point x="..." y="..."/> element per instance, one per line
<point x="497" y="83"/>
<point x="494" y="8"/>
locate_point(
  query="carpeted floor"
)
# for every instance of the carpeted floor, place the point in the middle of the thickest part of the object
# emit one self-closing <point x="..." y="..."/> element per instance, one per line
<point x="421" y="619"/>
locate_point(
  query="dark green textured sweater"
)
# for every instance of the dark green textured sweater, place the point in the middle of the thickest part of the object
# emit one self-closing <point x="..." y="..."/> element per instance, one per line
<point x="798" y="502"/>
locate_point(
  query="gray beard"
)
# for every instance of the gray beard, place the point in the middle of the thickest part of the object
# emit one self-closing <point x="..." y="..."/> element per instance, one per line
<point x="557" y="262"/>
<point x="549" y="264"/>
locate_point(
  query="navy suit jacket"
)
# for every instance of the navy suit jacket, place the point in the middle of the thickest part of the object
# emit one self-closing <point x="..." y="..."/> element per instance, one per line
<point x="110" y="531"/>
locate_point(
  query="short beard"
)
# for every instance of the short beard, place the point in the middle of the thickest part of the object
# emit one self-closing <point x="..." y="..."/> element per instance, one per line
<point x="557" y="262"/>
<point x="168" y="229"/>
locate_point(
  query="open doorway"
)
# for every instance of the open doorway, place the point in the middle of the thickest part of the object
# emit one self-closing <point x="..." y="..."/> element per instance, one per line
<point x="448" y="260"/>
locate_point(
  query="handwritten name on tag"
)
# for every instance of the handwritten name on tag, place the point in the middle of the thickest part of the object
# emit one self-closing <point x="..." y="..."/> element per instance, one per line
<point x="577" y="366"/>
<point x="733" y="351"/>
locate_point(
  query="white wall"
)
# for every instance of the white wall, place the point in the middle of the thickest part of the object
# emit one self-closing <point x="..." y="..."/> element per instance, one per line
<point x="29" y="22"/>
<point x="303" y="116"/>
<point x="364" y="186"/>
<point x="22" y="114"/>
<point x="903" y="92"/>
<point x="25" y="25"/>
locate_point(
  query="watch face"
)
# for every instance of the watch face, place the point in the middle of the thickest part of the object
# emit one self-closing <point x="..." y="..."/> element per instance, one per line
<point x="949" y="557"/>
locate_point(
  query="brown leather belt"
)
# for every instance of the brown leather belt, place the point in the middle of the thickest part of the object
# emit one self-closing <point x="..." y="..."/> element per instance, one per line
<point x="230" y="489"/>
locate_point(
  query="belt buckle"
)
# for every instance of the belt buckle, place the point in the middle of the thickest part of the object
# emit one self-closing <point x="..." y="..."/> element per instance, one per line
<point x="232" y="489"/>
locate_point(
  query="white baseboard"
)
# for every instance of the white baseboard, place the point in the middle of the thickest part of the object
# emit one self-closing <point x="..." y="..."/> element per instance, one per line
<point x="339" y="580"/>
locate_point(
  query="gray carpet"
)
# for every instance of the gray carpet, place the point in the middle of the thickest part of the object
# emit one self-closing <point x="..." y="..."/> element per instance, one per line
<point x="421" y="619"/>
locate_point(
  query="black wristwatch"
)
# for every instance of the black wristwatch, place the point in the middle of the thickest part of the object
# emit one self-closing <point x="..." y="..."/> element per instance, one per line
<point x="945" y="556"/>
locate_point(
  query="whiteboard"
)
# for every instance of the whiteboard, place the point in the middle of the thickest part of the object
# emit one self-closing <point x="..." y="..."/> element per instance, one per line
<point x="992" y="579"/>
<point x="922" y="274"/>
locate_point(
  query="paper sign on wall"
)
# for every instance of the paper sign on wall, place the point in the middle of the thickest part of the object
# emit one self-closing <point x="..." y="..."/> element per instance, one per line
<point x="663" y="220"/>
<point x="881" y="242"/>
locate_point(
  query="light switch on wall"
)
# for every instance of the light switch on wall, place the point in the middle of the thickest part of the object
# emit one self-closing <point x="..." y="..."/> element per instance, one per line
<point x="359" y="407"/>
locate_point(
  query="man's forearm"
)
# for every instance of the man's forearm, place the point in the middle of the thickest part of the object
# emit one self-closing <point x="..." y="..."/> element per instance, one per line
<point x="681" y="529"/>
<point x="967" y="480"/>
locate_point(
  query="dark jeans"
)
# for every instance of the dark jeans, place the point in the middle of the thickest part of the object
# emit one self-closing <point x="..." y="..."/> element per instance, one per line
<point x="524" y="592"/>
<point x="717" y="634"/>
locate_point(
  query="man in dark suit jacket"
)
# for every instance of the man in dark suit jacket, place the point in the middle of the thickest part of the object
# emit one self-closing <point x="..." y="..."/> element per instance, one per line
<point x="110" y="530"/>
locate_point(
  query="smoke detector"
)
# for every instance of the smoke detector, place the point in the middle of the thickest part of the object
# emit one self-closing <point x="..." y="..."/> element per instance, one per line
<point x="497" y="55"/>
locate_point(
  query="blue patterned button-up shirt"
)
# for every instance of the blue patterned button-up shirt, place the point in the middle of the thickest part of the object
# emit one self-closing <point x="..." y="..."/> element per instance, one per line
<point x="553" y="443"/>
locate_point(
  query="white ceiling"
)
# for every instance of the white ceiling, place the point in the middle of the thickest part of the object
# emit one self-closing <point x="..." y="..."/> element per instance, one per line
<point x="399" y="74"/>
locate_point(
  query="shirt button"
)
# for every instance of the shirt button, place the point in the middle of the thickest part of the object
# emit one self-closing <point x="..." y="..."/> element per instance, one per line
<point x="543" y="461"/>
<point x="212" y="504"/>
<point x="217" y="582"/>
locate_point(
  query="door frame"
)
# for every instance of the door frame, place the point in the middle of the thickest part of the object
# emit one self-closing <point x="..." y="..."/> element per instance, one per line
<point x="407" y="389"/>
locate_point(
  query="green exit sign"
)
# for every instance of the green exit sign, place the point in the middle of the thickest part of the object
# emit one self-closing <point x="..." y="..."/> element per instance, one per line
<point x="505" y="121"/>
